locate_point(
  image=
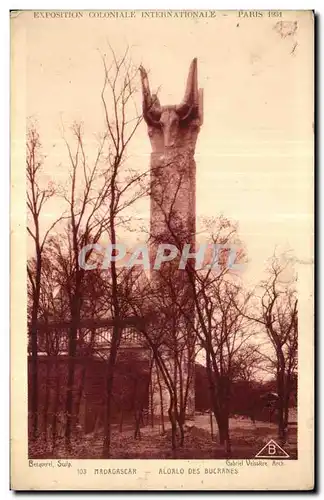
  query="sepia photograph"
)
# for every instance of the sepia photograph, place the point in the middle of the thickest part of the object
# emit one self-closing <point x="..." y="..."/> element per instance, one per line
<point x="162" y="247"/>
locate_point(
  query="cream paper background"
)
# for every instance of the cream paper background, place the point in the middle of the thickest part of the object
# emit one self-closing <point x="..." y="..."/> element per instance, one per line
<point x="254" y="163"/>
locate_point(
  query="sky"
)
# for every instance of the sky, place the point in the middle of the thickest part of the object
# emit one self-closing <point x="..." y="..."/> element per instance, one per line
<point x="254" y="153"/>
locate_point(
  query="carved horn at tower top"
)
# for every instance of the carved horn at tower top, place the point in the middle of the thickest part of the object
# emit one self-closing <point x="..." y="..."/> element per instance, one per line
<point x="190" y="100"/>
<point x="151" y="104"/>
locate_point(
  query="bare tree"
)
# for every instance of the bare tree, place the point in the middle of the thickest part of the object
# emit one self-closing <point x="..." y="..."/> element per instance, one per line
<point x="279" y="315"/>
<point x="175" y="333"/>
<point x="126" y="186"/>
<point x="220" y="328"/>
<point x="224" y="334"/>
<point x="166" y="339"/>
<point x="86" y="197"/>
<point x="53" y="305"/>
<point x="177" y="346"/>
<point x="37" y="197"/>
<point x="275" y="307"/>
<point x="96" y="198"/>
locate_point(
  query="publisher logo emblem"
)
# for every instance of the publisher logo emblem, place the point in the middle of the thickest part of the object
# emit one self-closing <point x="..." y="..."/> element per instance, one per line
<point x="272" y="450"/>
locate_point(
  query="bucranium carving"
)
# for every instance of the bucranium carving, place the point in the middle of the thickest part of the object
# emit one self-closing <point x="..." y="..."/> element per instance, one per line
<point x="170" y="118"/>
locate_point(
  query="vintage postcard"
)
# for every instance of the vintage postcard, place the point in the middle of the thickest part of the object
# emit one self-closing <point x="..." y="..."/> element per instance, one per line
<point x="162" y="216"/>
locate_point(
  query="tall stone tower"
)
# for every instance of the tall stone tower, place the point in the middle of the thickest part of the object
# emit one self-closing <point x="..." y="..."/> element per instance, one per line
<point x="173" y="131"/>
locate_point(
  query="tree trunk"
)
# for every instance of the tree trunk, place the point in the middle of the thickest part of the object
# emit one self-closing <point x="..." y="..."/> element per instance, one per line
<point x="224" y="437"/>
<point x="109" y="391"/>
<point x="287" y="400"/>
<point x="116" y="333"/>
<point x="219" y="402"/>
<point x="181" y="421"/>
<point x="173" y="427"/>
<point x="47" y="397"/>
<point x="70" y="382"/>
<point x="281" y="423"/>
<point x="81" y="389"/>
<point x="151" y="401"/>
<point x="56" y="405"/>
<point x="161" y="400"/>
<point x="211" y="426"/>
<point x="34" y="348"/>
<point x="138" y="416"/>
<point x="281" y="400"/>
<point x="34" y="382"/>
